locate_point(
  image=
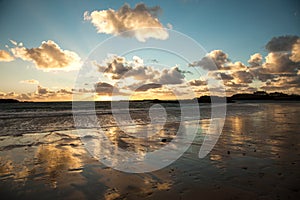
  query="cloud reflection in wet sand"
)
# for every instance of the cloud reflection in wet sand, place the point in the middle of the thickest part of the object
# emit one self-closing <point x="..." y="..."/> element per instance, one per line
<point x="44" y="163"/>
<point x="257" y="156"/>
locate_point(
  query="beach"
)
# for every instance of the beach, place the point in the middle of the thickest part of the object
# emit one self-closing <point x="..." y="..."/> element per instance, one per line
<point x="256" y="157"/>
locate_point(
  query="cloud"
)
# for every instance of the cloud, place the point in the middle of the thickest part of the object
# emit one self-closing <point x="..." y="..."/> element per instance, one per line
<point x="197" y="82"/>
<point x="64" y="91"/>
<point x="287" y="84"/>
<point x="133" y="75"/>
<point x="241" y="77"/>
<point x="148" y="86"/>
<point x="255" y="60"/>
<point x="49" y="56"/>
<point x="279" y="62"/>
<point x="170" y="26"/>
<point x="46" y="94"/>
<point x="41" y="94"/>
<point x="31" y="81"/>
<point x="13" y="42"/>
<point x="41" y="90"/>
<point x="132" y="20"/>
<point x="116" y="67"/>
<point x="225" y="76"/>
<point x="24" y="97"/>
<point x="282" y="60"/>
<point x="170" y="76"/>
<point x="261" y="74"/>
<point x="233" y="79"/>
<point x="212" y="61"/>
<point x="5" y="56"/>
<point x="236" y="66"/>
<point x="219" y="57"/>
<point x="143" y="73"/>
<point x="221" y="75"/>
<point x="278" y="71"/>
<point x="106" y="89"/>
<point x="281" y="43"/>
<point x="295" y="54"/>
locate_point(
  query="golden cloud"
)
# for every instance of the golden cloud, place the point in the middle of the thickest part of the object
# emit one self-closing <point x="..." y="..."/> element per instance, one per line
<point x="279" y="62"/>
<point x="134" y="21"/>
<point x="49" y="56"/>
<point x="255" y="60"/>
<point x="5" y="56"/>
<point x="31" y="81"/>
<point x="214" y="60"/>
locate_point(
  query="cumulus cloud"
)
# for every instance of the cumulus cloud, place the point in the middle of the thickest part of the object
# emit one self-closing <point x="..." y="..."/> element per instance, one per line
<point x="234" y="81"/>
<point x="197" y="82"/>
<point x="117" y="67"/>
<point x="282" y="60"/>
<point x="132" y="75"/>
<point x="280" y="83"/>
<point x="241" y="77"/>
<point x="225" y="76"/>
<point x="236" y="66"/>
<point x="5" y="56"/>
<point x="31" y="81"/>
<point x="170" y="76"/>
<point x="212" y="61"/>
<point x="140" y="22"/>
<point x="143" y="73"/>
<point x="255" y="60"/>
<point x="279" y="62"/>
<point x="221" y="75"/>
<point x="283" y="57"/>
<point x="261" y="74"/>
<point x="295" y="54"/>
<point x="278" y="71"/>
<point x="49" y="56"/>
<point x="41" y="90"/>
<point x="217" y="60"/>
<point x="281" y="43"/>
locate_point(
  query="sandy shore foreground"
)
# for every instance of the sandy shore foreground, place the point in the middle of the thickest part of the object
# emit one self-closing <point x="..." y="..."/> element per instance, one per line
<point x="256" y="157"/>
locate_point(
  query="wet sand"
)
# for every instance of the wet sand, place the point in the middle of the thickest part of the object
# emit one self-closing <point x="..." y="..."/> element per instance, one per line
<point x="256" y="157"/>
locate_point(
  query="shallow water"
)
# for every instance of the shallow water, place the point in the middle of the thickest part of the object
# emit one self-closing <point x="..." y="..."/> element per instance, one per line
<point x="256" y="157"/>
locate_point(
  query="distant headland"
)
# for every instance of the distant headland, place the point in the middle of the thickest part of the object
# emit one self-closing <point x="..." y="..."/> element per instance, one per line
<point x="256" y="96"/>
<point x="9" y="101"/>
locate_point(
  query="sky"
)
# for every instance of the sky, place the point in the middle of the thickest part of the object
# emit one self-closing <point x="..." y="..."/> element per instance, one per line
<point x="245" y="46"/>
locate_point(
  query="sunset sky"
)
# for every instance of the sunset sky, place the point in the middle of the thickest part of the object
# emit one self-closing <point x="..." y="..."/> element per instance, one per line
<point x="254" y="45"/>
